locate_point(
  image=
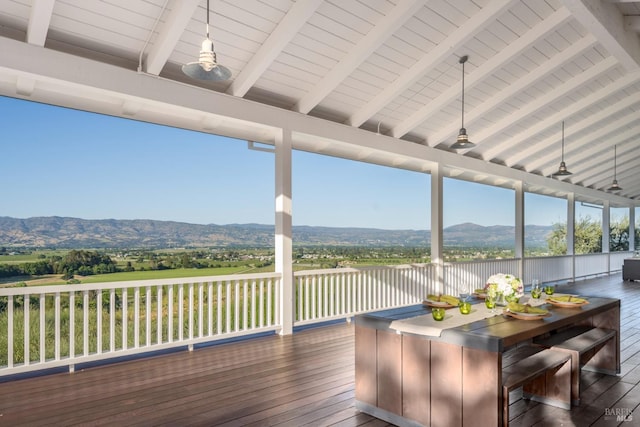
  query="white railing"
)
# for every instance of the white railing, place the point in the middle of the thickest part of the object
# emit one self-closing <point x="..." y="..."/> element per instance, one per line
<point x="51" y="326"/>
<point x="339" y="293"/>
<point x="467" y="276"/>
<point x="548" y="269"/>
<point x="43" y="327"/>
<point x="616" y="259"/>
<point x="591" y="264"/>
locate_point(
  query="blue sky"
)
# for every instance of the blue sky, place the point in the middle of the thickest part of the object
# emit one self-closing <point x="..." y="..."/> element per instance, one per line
<point x="63" y="162"/>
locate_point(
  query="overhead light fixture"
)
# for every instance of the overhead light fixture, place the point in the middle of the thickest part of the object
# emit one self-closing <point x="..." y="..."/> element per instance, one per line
<point x="206" y="68"/>
<point x="462" y="142"/>
<point x="614" y="186"/>
<point x="562" y="170"/>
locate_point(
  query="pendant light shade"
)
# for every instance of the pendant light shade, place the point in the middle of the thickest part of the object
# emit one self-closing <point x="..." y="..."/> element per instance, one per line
<point x="462" y="142"/>
<point x="562" y="170"/>
<point x="207" y="67"/>
<point x="614" y="186"/>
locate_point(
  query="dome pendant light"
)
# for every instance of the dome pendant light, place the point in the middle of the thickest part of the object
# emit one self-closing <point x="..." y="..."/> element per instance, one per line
<point x="562" y="170"/>
<point x="462" y="142"/>
<point x="206" y="68"/>
<point x="614" y="186"/>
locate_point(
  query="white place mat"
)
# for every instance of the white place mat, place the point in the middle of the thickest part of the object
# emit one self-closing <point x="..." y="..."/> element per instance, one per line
<point x="425" y="325"/>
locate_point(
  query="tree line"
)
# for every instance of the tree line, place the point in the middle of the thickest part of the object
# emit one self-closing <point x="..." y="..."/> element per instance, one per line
<point x="81" y="262"/>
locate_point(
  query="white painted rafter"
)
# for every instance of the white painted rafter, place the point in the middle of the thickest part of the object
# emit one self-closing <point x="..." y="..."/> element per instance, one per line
<point x="480" y="74"/>
<point x="402" y="12"/>
<point x="169" y="33"/>
<point x="547" y="99"/>
<point x="287" y="29"/>
<point x="580" y="150"/>
<point x="39" y="21"/>
<point x="427" y="63"/>
<point x="535" y="149"/>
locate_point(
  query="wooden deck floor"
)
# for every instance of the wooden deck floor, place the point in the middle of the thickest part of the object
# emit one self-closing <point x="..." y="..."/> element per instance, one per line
<point x="303" y="379"/>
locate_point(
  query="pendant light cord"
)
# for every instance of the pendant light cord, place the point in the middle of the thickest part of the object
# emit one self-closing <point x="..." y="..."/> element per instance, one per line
<point x="207" y="19"/>
<point x="562" y="159"/>
<point x="463" y="60"/>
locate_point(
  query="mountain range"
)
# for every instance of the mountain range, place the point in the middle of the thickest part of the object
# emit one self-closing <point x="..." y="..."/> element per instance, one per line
<point x="75" y="233"/>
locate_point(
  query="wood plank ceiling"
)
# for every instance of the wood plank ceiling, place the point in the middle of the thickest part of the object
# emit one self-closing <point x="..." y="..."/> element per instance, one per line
<point x="387" y="66"/>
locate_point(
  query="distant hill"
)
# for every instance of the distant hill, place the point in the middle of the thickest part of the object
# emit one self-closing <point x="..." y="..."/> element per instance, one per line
<point x="69" y="233"/>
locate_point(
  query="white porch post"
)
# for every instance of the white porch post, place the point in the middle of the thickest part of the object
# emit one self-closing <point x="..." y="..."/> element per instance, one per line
<point x="606" y="221"/>
<point x="519" y="250"/>
<point x="283" y="237"/>
<point x="632" y="228"/>
<point x="571" y="222"/>
<point x="436" y="227"/>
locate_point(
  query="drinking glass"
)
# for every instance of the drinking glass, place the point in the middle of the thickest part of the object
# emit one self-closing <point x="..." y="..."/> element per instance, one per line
<point x="465" y="307"/>
<point x="437" y="313"/>
<point x="464" y="295"/>
<point x="549" y="289"/>
<point x="536" y="290"/>
<point x="490" y="302"/>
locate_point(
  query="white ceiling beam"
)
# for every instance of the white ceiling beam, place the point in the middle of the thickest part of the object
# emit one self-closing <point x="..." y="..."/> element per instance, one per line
<point x="606" y="23"/>
<point x="552" y="121"/>
<point x="428" y="62"/>
<point x="544" y="101"/>
<point x="480" y="74"/>
<point x="368" y="44"/>
<point x="39" y="21"/>
<point x="286" y="30"/>
<point x="169" y="33"/>
<point x="69" y="80"/>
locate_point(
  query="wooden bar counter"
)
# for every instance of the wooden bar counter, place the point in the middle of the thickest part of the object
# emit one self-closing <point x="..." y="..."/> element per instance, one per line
<point x="454" y="379"/>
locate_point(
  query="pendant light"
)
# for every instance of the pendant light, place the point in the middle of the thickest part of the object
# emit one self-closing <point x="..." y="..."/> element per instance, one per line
<point x="462" y="142"/>
<point x="562" y="170"/>
<point x="206" y="68"/>
<point x="614" y="186"/>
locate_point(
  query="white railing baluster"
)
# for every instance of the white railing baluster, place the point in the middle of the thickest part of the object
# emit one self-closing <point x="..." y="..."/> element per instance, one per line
<point x="228" y="306"/>
<point x="136" y="317"/>
<point x="147" y="315"/>
<point x="236" y="299"/>
<point x="27" y="329"/>
<point x="43" y="355"/>
<point x="210" y="308"/>
<point x="112" y="319"/>
<point x="269" y="301"/>
<point x="245" y="306"/>
<point x="200" y="310"/>
<point x="219" y="305"/>
<point x="56" y="350"/>
<point x="99" y="322"/>
<point x="10" y="334"/>
<point x="170" y="314"/>
<point x="180" y="303"/>
<point x="262" y="300"/>
<point x="72" y="325"/>
<point x="253" y="304"/>
<point x="190" y="312"/>
<point x="125" y="319"/>
<point x="159" y="305"/>
<point x="85" y="321"/>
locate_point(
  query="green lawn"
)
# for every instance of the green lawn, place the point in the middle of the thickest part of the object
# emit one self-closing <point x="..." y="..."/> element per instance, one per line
<point x="161" y="274"/>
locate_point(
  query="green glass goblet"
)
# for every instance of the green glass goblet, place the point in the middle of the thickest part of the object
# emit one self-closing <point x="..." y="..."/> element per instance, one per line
<point x="438" y="313"/>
